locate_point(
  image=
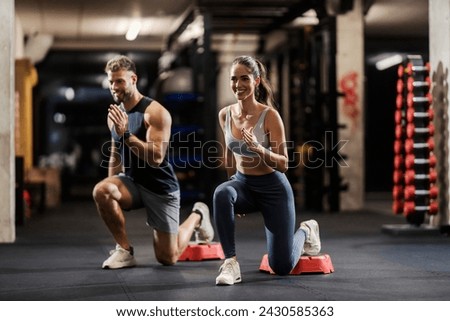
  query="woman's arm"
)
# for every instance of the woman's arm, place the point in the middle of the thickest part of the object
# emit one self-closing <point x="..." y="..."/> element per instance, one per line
<point x="229" y="161"/>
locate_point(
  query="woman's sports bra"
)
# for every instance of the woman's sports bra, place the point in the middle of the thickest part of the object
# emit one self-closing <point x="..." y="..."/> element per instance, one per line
<point x="238" y="146"/>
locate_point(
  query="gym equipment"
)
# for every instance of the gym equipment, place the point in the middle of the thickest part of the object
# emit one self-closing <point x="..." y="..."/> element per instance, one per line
<point x="411" y="207"/>
<point x="412" y="68"/>
<point x="399" y="131"/>
<point x="411" y="114"/>
<point x="410" y="146"/>
<point x="411" y="161"/>
<point x="415" y="84"/>
<point x="399" y="101"/>
<point x="202" y="252"/>
<point x="411" y="192"/>
<point x="399" y="162"/>
<point x="400" y="86"/>
<point x="410" y="176"/>
<point x="398" y="146"/>
<point x="399" y="116"/>
<point x="397" y="192"/>
<point x="411" y="130"/>
<point x="412" y="100"/>
<point x="398" y="176"/>
<point x="414" y="193"/>
<point x="307" y="264"/>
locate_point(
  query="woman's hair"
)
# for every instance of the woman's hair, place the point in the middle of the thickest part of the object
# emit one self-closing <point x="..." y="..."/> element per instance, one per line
<point x="120" y="62"/>
<point x="264" y="92"/>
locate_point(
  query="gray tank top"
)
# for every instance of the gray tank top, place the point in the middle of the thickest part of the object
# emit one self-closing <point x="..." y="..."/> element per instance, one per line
<point x="238" y="146"/>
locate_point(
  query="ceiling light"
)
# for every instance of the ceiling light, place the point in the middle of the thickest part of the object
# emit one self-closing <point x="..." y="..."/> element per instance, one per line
<point x="133" y="31"/>
<point x="389" y="61"/>
<point x="59" y="118"/>
<point x="308" y="18"/>
<point x="69" y="93"/>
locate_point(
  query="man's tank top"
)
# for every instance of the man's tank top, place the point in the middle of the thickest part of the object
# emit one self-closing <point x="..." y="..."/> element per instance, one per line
<point x="160" y="179"/>
<point x="238" y="146"/>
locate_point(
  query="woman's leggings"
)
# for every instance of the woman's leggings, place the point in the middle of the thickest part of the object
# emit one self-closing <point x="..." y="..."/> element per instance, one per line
<point x="272" y="195"/>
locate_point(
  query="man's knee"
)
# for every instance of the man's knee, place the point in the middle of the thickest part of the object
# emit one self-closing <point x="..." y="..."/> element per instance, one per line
<point x="166" y="247"/>
<point x="99" y="191"/>
<point x="103" y="191"/>
<point x="166" y="258"/>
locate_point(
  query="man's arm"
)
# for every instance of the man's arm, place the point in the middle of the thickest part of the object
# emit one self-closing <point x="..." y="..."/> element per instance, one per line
<point x="154" y="149"/>
<point x="115" y="165"/>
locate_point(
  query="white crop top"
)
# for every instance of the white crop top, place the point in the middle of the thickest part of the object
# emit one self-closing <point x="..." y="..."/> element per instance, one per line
<point x="238" y="146"/>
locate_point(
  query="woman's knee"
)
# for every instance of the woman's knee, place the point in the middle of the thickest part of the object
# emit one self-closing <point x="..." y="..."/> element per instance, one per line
<point x="280" y="267"/>
<point x="224" y="193"/>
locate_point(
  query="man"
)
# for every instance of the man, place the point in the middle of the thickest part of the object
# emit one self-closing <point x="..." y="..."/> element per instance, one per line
<point x="139" y="174"/>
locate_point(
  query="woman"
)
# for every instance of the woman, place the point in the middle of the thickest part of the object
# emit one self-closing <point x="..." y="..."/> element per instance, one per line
<point x="256" y="159"/>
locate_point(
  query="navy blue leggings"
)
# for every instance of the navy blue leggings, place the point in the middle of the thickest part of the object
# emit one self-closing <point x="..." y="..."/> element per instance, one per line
<point x="272" y="195"/>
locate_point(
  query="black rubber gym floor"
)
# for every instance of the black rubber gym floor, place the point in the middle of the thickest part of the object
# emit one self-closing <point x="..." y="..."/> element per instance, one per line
<point x="58" y="256"/>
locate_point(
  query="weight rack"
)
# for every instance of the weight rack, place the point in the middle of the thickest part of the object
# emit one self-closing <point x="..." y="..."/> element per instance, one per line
<point x="414" y="189"/>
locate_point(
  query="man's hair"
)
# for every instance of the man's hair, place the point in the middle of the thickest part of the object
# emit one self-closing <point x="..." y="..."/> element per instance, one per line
<point x="120" y="62"/>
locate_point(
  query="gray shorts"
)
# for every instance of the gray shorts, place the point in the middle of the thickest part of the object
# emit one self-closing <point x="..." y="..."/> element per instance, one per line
<point x="163" y="211"/>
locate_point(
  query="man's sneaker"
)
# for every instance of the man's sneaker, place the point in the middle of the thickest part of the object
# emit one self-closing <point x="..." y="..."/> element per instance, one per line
<point x="312" y="242"/>
<point x="230" y="273"/>
<point x="205" y="232"/>
<point x="119" y="258"/>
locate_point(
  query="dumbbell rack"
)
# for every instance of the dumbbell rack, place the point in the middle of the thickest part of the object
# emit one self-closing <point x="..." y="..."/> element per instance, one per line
<point x="414" y="190"/>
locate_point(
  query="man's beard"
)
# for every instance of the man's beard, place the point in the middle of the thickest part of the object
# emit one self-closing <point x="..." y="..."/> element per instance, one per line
<point x="124" y="98"/>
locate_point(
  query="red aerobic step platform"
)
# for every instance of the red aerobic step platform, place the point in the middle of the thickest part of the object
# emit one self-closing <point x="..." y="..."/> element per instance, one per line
<point x="200" y="252"/>
<point x="307" y="264"/>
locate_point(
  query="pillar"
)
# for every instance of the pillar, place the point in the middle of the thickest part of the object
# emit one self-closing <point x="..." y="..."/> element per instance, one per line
<point x="439" y="24"/>
<point x="7" y="155"/>
<point x="350" y="107"/>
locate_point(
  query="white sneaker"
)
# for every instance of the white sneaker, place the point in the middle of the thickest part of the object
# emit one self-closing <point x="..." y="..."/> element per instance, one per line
<point x="205" y="232"/>
<point x="119" y="258"/>
<point x="230" y="273"/>
<point x="312" y="242"/>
